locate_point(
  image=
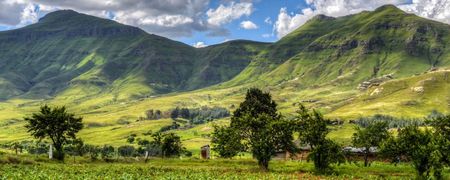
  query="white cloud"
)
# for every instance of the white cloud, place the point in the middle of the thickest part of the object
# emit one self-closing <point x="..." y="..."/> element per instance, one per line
<point x="172" y="18"/>
<point x="28" y="15"/>
<point x="434" y="9"/>
<point x="268" y="20"/>
<point x="166" y="20"/>
<point x="226" y="14"/>
<point x="267" y="35"/>
<point x="248" y="25"/>
<point x="286" y="23"/>
<point x="199" y="44"/>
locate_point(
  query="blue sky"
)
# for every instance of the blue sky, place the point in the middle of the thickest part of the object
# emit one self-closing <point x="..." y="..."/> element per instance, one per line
<point x="262" y="10"/>
<point x="207" y="22"/>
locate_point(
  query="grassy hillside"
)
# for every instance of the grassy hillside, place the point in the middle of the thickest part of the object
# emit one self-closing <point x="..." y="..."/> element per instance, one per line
<point x="348" y="50"/>
<point x="68" y="53"/>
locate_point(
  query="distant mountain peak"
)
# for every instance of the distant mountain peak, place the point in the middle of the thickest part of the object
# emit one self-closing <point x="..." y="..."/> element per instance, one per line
<point x="322" y="17"/>
<point x="388" y="7"/>
<point x="59" y="15"/>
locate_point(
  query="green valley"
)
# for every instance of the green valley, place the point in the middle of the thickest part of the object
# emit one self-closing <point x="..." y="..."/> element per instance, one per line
<point x="379" y="62"/>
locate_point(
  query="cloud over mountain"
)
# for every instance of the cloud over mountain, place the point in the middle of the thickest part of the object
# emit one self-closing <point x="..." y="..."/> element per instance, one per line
<point x="287" y="22"/>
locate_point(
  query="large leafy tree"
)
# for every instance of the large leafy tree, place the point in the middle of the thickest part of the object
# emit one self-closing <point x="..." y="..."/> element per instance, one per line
<point x="371" y="136"/>
<point x="56" y="124"/>
<point x="257" y="127"/>
<point x="312" y="128"/>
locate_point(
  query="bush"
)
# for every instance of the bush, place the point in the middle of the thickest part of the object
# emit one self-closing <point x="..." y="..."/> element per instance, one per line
<point x="93" y="151"/>
<point x="174" y="125"/>
<point x="107" y="152"/>
<point x="126" y="151"/>
<point x="131" y="138"/>
<point x="188" y="153"/>
<point x="153" y="148"/>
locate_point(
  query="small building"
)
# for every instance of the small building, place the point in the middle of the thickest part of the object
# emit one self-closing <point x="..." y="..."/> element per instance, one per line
<point x="205" y="152"/>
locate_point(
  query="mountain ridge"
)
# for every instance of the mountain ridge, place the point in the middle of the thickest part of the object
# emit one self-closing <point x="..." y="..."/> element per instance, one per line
<point x="77" y="48"/>
<point x="124" y="62"/>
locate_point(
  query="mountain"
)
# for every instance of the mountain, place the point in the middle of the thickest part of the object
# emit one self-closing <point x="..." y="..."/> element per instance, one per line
<point x="348" y="50"/>
<point x="69" y="53"/>
<point x="76" y="57"/>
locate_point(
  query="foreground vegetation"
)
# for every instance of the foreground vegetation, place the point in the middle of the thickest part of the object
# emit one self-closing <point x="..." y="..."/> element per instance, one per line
<point x="38" y="167"/>
<point x="256" y="128"/>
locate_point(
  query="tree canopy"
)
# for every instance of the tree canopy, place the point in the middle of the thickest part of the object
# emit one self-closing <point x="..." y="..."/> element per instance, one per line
<point x="371" y="136"/>
<point x="257" y="127"/>
<point x="56" y="124"/>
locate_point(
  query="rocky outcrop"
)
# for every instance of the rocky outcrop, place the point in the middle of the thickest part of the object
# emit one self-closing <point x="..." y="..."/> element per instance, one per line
<point x="418" y="89"/>
<point x="374" y="82"/>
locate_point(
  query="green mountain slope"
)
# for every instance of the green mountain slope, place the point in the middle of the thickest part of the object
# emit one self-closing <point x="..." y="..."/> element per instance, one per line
<point x="348" y="50"/>
<point x="71" y="53"/>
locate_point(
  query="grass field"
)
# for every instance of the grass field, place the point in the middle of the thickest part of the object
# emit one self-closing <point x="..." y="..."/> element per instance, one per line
<point x="29" y="167"/>
<point x="101" y="114"/>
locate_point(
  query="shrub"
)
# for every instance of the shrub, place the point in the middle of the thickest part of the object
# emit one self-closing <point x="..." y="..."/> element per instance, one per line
<point x="126" y="151"/>
<point x="107" y="153"/>
<point x="174" y="125"/>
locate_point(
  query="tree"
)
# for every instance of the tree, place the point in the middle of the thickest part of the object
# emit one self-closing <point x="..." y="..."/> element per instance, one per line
<point x="92" y="150"/>
<point x="170" y="144"/>
<point x="107" y="153"/>
<point x="158" y="114"/>
<point x="56" y="124"/>
<point x="312" y="128"/>
<point x="326" y="153"/>
<point x="255" y="126"/>
<point x="369" y="137"/>
<point x="150" y="114"/>
<point x="441" y="125"/>
<point x="418" y="146"/>
<point x="255" y="103"/>
<point x="175" y="113"/>
<point x="226" y="142"/>
<point x="143" y="142"/>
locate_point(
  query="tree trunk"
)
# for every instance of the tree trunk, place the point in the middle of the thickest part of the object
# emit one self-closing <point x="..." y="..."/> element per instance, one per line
<point x="366" y="157"/>
<point x="264" y="164"/>
<point x="59" y="153"/>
